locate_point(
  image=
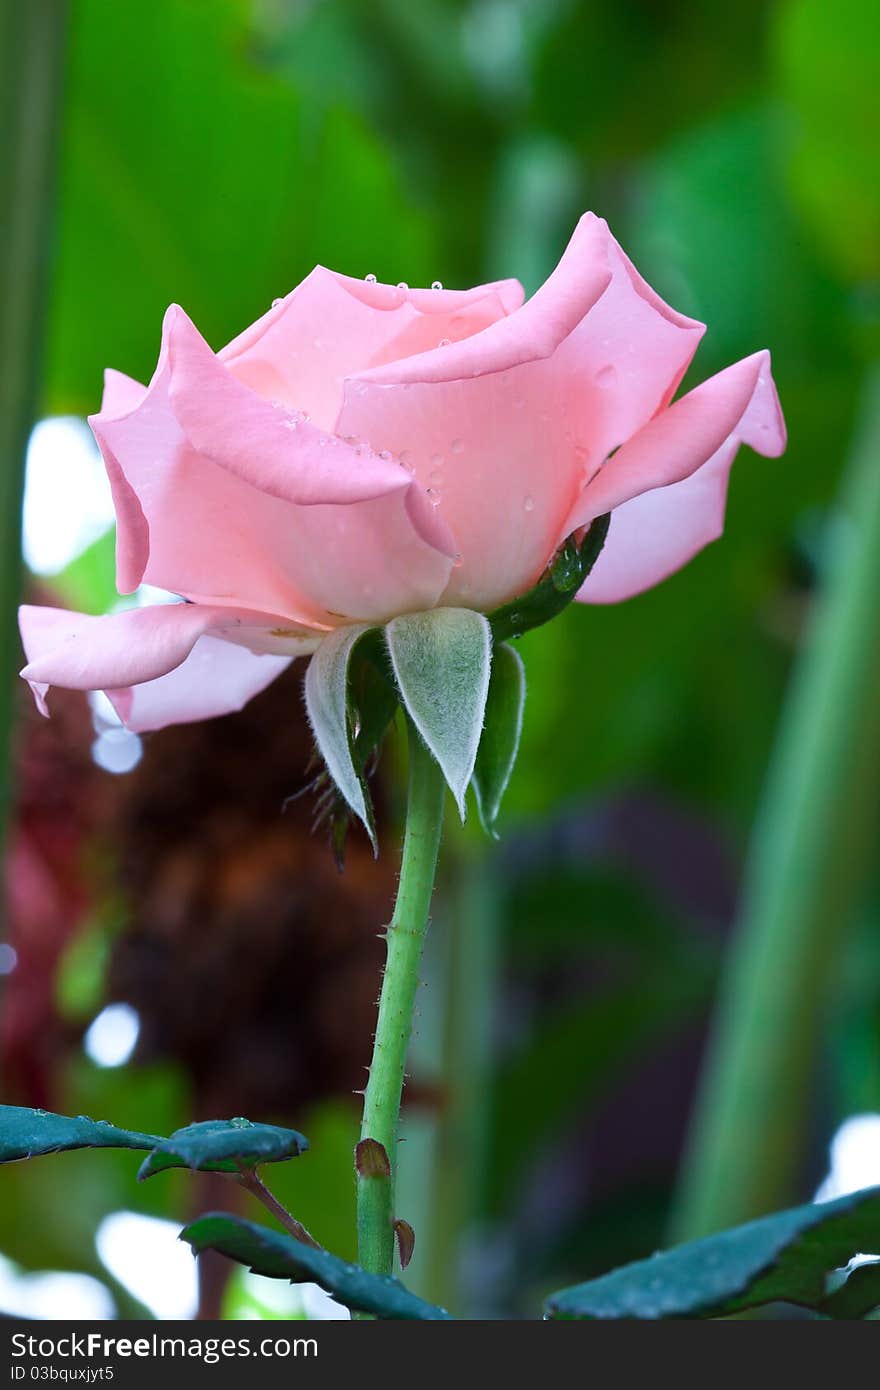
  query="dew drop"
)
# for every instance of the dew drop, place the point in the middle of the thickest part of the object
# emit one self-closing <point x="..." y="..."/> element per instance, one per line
<point x="402" y="285"/>
<point x="304" y="415"/>
<point x="370" y="279"/>
<point x="436" y="284"/>
<point x="276" y="302"/>
<point x="406" y="461"/>
<point x="351" y="439"/>
<point x="385" y="455"/>
<point x="444" y="342"/>
<point x="457" y="446"/>
<point x="606" y="376"/>
<point x="457" y="560"/>
<point x="528" y="503"/>
<point x="434" y="496"/>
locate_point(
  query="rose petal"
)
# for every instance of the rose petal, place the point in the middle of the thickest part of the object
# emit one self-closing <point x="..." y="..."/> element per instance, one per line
<point x="214" y="538"/>
<point x="534" y="331"/>
<point x="260" y="442"/>
<point x="656" y="532"/>
<point x="112" y="653"/>
<point x="675" y="443"/>
<point x="505" y="453"/>
<point x="332" y="325"/>
<point x="216" y="678"/>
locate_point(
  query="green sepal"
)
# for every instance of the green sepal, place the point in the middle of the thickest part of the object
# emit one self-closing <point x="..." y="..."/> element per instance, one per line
<point x="555" y="590"/>
<point x="499" y="743"/>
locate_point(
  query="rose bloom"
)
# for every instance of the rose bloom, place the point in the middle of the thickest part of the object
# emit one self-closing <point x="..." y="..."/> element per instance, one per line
<point x="365" y="450"/>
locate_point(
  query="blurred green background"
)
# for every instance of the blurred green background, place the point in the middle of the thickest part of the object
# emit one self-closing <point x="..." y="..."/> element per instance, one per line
<point x="210" y="152"/>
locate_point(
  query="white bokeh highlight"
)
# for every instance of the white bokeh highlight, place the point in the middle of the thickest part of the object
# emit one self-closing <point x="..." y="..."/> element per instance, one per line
<point x="112" y="1037"/>
<point x="67" y="501"/>
<point x="51" y="1295"/>
<point x="147" y="1258"/>
<point x="854" y="1158"/>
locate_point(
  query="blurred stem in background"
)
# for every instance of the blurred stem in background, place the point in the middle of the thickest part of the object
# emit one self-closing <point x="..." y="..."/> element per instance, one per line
<point x="31" y="60"/>
<point x="807" y="868"/>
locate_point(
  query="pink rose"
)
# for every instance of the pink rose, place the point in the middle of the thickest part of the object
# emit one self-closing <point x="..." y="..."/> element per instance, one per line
<point x="366" y="450"/>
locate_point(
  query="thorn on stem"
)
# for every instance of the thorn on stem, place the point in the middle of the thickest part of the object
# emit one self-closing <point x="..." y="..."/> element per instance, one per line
<point x="371" y="1159"/>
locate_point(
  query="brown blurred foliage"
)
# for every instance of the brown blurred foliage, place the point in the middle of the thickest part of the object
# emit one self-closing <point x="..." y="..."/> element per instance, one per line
<point x="250" y="958"/>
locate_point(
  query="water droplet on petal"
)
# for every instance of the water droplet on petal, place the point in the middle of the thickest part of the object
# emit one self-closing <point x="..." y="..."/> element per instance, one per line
<point x="402" y="285"/>
<point x="434" y="496"/>
<point x="457" y="446"/>
<point x="276" y="302"/>
<point x="385" y="454"/>
<point x="444" y="342"/>
<point x="370" y="279"/>
<point x="606" y="376"/>
<point x="457" y="560"/>
<point x="304" y="415"/>
<point x="436" y="284"/>
<point x="528" y="503"/>
<point x="351" y="439"/>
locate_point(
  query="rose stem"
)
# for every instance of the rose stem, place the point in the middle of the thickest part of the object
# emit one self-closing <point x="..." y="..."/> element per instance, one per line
<point x="404" y="940"/>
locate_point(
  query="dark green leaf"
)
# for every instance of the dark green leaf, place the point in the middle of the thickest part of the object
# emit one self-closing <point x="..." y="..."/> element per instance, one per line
<point x="223" y="1146"/>
<point x="27" y="1133"/>
<point x="281" y="1257"/>
<point x="499" y="742"/>
<point x="781" y="1258"/>
<point x="556" y="589"/>
<point x="857" y="1296"/>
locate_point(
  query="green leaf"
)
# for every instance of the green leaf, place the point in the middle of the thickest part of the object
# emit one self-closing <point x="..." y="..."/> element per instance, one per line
<point x="223" y="1146"/>
<point x="441" y="662"/>
<point x="499" y="744"/>
<point x="781" y="1258"/>
<point x="857" y="1296"/>
<point x="280" y="1256"/>
<point x="556" y="589"/>
<point x="326" y="688"/>
<point x="27" y="1133"/>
